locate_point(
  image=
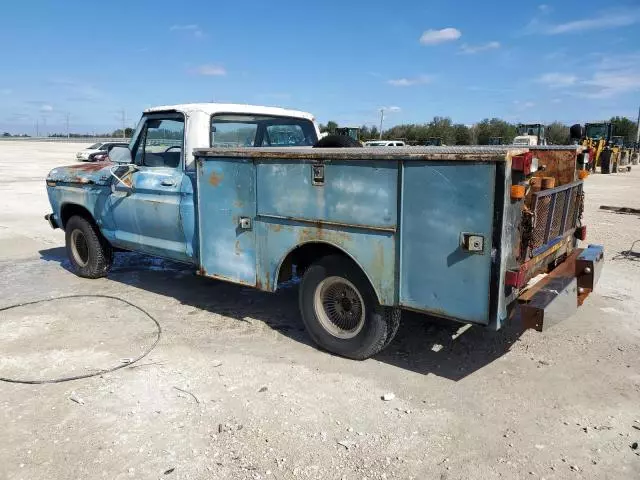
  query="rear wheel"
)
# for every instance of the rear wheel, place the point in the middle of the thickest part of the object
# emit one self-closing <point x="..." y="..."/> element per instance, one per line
<point x="340" y="311"/>
<point x="90" y="254"/>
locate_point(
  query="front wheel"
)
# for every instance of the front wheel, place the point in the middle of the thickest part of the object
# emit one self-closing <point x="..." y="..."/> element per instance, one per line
<point x="340" y="311"/>
<point x="90" y="254"/>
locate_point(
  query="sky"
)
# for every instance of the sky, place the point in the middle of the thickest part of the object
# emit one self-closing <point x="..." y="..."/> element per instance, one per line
<point x="95" y="63"/>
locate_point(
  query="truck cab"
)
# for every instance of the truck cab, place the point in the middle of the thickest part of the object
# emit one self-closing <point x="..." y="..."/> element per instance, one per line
<point x="143" y="199"/>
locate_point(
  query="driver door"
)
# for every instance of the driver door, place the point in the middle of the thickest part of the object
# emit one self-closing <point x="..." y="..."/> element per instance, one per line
<point x="147" y="214"/>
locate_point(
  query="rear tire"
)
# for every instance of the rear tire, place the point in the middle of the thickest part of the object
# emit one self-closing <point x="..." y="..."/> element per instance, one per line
<point x="340" y="310"/>
<point x="89" y="253"/>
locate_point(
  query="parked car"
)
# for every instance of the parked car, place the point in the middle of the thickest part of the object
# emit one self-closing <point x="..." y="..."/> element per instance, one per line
<point x="103" y="155"/>
<point x="84" y="155"/>
<point x="452" y="232"/>
<point x="384" y="143"/>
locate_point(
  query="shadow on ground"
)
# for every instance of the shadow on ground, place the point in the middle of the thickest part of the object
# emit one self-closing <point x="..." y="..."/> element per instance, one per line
<point x="424" y="344"/>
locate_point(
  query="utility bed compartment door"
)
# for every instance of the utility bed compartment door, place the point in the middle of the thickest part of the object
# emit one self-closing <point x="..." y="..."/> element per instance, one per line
<point x="226" y="211"/>
<point x="440" y="202"/>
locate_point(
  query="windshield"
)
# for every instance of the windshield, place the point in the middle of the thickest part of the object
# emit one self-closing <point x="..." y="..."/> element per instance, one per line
<point x="533" y="130"/>
<point x="521" y="141"/>
<point x="241" y="130"/>
<point x="376" y="144"/>
<point x="95" y="146"/>
<point x="597" y="131"/>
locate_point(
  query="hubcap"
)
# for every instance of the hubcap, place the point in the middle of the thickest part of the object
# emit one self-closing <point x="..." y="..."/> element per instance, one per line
<point x="79" y="248"/>
<point x="339" y="307"/>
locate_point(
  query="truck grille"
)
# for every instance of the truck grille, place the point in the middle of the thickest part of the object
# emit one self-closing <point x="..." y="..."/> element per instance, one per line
<point x="555" y="213"/>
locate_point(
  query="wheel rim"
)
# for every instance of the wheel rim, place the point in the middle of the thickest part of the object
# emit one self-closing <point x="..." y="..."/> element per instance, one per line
<point x="339" y="307"/>
<point x="79" y="248"/>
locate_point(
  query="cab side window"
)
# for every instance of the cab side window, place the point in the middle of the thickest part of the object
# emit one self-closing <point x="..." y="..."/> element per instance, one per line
<point x="160" y="143"/>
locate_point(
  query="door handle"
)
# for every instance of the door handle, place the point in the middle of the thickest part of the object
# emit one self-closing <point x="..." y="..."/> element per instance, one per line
<point x="168" y="183"/>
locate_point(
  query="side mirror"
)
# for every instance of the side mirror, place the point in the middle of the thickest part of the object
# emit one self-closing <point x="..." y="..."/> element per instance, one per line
<point x="120" y="155"/>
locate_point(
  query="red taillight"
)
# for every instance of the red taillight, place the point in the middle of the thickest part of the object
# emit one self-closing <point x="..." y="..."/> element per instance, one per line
<point x="581" y="233"/>
<point x="515" y="278"/>
<point x="522" y="163"/>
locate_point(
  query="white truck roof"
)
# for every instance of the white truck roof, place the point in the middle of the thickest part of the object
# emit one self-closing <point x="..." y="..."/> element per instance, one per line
<point x="212" y="108"/>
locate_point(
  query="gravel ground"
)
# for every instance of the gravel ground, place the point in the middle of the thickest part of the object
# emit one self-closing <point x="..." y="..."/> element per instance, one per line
<point x="235" y="390"/>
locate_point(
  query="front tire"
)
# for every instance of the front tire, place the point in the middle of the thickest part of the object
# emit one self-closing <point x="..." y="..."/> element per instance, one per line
<point x="89" y="253"/>
<point x="340" y="311"/>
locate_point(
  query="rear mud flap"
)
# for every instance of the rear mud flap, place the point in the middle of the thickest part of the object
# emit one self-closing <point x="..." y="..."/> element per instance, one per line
<point x="558" y="295"/>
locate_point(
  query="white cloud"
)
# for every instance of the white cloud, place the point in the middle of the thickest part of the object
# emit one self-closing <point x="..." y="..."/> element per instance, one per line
<point x="46" y="108"/>
<point x="393" y="108"/>
<point x="520" y="105"/>
<point x="544" y="8"/>
<point x="193" y="28"/>
<point x="434" y="37"/>
<point x="471" y="49"/>
<point x="210" y="70"/>
<point x="557" y="80"/>
<point x="409" y="82"/>
<point x="598" y="21"/>
<point x="612" y="76"/>
<point x="556" y="100"/>
<point x="607" y="84"/>
<point x="5" y="91"/>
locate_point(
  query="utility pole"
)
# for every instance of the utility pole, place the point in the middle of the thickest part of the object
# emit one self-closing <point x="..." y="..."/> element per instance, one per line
<point x="381" y="119"/>
<point x="37" y="128"/>
<point x="638" y="128"/>
<point x="124" y="122"/>
<point x="67" y="124"/>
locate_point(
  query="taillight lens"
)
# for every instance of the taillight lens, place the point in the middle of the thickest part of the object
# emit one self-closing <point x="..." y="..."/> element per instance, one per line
<point x="524" y="163"/>
<point x="581" y="233"/>
<point x="515" y="278"/>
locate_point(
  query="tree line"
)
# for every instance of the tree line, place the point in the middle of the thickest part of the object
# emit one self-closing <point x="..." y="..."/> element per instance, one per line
<point x="128" y="132"/>
<point x="482" y="133"/>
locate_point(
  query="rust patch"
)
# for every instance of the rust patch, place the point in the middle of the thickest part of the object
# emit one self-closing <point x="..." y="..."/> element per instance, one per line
<point x="378" y="260"/>
<point x="237" y="248"/>
<point x="238" y="204"/>
<point x="275" y="227"/>
<point x="215" y="178"/>
<point x="318" y="232"/>
<point x="91" y="167"/>
<point x="559" y="164"/>
<point x="266" y="285"/>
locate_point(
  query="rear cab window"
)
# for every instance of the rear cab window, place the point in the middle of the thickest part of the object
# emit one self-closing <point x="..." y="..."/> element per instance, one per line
<point x="248" y="130"/>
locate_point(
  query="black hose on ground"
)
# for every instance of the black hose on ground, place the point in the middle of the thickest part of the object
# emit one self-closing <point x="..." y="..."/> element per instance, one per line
<point x="94" y="374"/>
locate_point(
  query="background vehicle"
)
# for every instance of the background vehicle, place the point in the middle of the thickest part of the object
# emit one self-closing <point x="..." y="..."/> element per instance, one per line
<point x="85" y="154"/>
<point x="103" y="154"/>
<point x="596" y="138"/>
<point x="384" y="143"/>
<point x="352" y="132"/>
<point x="530" y="134"/>
<point x="433" y="142"/>
<point x="453" y="232"/>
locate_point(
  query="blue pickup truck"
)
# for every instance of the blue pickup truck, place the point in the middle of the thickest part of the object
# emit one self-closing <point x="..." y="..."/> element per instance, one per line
<point x="239" y="193"/>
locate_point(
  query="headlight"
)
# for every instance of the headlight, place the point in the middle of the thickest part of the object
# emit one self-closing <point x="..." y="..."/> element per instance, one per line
<point x="534" y="165"/>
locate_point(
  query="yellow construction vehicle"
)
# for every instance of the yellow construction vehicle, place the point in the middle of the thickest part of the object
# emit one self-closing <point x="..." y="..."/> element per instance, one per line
<point x="597" y="140"/>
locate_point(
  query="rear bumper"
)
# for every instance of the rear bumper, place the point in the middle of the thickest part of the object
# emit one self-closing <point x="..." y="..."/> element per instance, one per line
<point x="51" y="218"/>
<point x="558" y="295"/>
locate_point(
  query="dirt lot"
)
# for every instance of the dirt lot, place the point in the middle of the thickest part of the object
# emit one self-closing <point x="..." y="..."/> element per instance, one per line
<point x="235" y="390"/>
